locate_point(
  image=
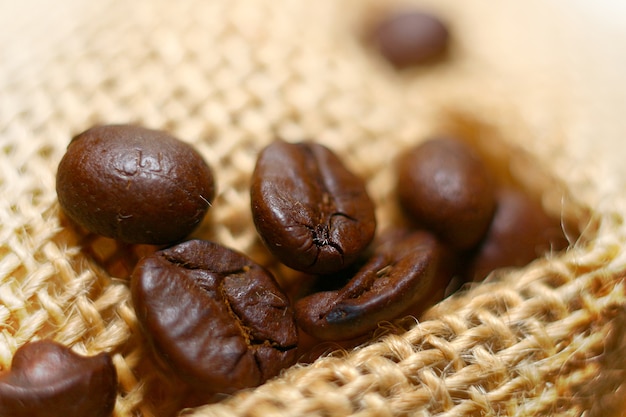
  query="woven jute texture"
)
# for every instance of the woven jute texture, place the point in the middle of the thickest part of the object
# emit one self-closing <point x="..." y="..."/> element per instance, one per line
<point x="229" y="76"/>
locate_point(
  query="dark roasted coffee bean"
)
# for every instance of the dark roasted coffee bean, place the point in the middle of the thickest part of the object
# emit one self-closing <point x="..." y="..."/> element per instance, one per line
<point x="445" y="187"/>
<point x="215" y="317"/>
<point x="49" y="379"/>
<point x="520" y="232"/>
<point x="134" y="184"/>
<point x="410" y="38"/>
<point x="313" y="214"/>
<point x="408" y="272"/>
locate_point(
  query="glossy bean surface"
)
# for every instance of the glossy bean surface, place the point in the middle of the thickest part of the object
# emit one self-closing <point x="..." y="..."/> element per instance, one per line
<point x="219" y="320"/>
<point x="134" y="184"/>
<point x="311" y="211"/>
<point x="49" y="379"/>
<point x="407" y="272"/>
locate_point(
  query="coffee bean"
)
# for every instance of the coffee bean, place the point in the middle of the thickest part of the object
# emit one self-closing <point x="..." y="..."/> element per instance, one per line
<point x="445" y="187"/>
<point x="410" y="38"/>
<point x="134" y="184"/>
<point x="48" y="379"/>
<point x="520" y="232"/>
<point x="312" y="213"/>
<point x="407" y="272"/>
<point x="215" y="317"/>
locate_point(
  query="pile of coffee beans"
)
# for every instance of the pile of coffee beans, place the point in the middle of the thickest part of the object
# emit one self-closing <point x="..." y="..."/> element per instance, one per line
<point x="445" y="186"/>
<point x="221" y="322"/>
<point x="462" y="223"/>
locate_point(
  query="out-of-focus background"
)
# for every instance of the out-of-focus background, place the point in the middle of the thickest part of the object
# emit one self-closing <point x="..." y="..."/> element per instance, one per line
<point x="578" y="44"/>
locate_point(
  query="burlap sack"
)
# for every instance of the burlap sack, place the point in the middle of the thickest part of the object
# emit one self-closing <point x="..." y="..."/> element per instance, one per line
<point x="523" y="82"/>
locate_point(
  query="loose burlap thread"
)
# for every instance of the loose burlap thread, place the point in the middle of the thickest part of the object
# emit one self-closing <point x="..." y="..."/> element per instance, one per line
<point x="229" y="77"/>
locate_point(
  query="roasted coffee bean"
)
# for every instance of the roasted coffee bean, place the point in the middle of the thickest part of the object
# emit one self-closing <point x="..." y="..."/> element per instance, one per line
<point x="410" y="38"/>
<point x="49" y="379"/>
<point x="134" y="184"/>
<point x="407" y="272"/>
<point x="312" y="213"/>
<point x="215" y="317"/>
<point x="445" y="187"/>
<point x="520" y="232"/>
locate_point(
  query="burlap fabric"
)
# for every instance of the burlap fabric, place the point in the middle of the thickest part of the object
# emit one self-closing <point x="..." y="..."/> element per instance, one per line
<point x="228" y="76"/>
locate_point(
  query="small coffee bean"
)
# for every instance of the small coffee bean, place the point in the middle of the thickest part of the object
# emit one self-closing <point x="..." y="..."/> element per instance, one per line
<point x="134" y="184"/>
<point x="49" y="379"/>
<point x="215" y="317"/>
<point x="520" y="232"/>
<point x="408" y="272"/>
<point x="445" y="187"/>
<point x="411" y="38"/>
<point x="312" y="213"/>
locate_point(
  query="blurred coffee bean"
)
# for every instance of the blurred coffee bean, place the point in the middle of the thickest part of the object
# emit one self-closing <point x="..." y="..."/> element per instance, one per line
<point x="411" y="38"/>
<point x="520" y="232"/>
<point x="445" y="187"/>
